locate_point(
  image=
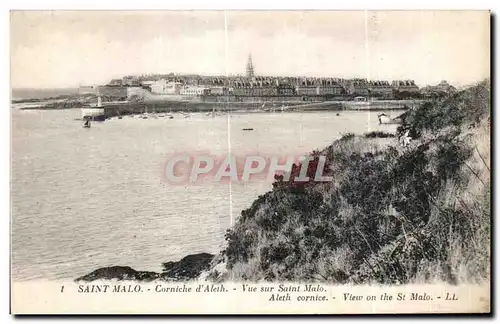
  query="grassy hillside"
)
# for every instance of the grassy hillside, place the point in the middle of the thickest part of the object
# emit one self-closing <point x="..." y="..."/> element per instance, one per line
<point x="390" y="215"/>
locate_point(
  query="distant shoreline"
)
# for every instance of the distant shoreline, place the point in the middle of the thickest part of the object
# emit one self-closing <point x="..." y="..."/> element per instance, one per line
<point x="32" y="94"/>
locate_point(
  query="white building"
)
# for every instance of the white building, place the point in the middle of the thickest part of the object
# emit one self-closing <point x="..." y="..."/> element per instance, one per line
<point x="158" y="86"/>
<point x="164" y="87"/>
<point x="194" y="91"/>
<point x="173" y="88"/>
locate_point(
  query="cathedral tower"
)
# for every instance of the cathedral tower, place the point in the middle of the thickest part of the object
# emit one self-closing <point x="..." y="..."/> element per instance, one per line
<point x="250" y="71"/>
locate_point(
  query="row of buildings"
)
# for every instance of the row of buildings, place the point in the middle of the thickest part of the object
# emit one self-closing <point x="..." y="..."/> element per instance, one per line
<point x="278" y="86"/>
<point x="256" y="86"/>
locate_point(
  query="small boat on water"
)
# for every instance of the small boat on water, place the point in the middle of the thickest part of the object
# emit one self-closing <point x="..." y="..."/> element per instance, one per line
<point x="186" y="115"/>
<point x="247" y="129"/>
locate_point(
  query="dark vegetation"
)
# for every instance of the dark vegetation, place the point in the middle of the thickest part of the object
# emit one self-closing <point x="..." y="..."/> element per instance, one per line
<point x="391" y="214"/>
<point x="462" y="108"/>
<point x="378" y="134"/>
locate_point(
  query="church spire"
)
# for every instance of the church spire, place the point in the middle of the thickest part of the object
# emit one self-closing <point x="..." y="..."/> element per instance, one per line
<point x="250" y="71"/>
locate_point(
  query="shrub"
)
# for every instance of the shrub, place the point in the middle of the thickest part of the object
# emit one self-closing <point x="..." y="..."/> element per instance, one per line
<point x="378" y="134"/>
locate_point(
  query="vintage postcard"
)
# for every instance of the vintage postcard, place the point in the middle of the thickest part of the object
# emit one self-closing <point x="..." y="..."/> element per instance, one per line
<point x="250" y="162"/>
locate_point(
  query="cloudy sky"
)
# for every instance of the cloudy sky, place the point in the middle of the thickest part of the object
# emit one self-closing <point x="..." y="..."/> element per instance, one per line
<point x="53" y="49"/>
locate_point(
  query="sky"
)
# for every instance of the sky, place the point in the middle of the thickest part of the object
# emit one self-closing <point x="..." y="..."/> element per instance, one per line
<point x="56" y="49"/>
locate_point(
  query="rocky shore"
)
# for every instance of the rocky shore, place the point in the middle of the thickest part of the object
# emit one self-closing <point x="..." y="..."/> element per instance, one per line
<point x="189" y="267"/>
<point x="59" y="102"/>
